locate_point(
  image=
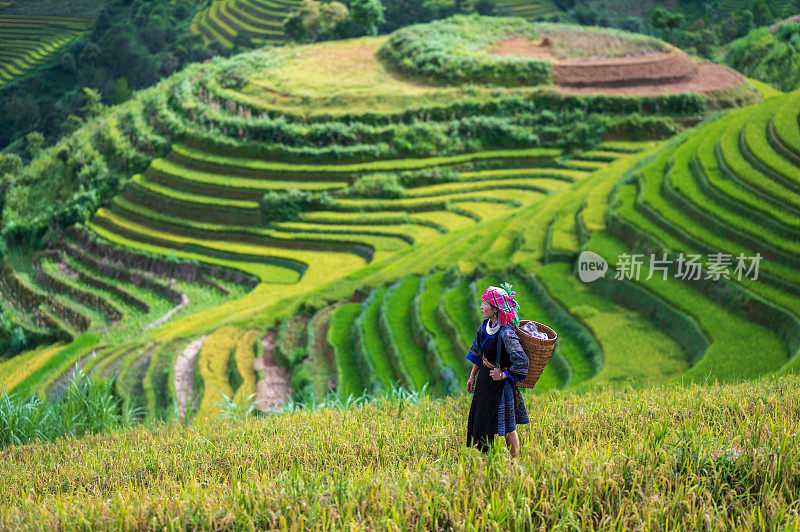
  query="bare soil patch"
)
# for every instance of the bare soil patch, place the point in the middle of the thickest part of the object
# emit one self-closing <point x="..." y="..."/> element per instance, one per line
<point x="642" y="72"/>
<point x="709" y="78"/>
<point x="522" y="47"/>
<point x="184" y="375"/>
<point x="273" y="389"/>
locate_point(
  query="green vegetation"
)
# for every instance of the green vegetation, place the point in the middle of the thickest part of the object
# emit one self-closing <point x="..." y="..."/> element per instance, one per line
<point x="373" y="355"/>
<point x="769" y="56"/>
<point x="727" y="443"/>
<point x="28" y="42"/>
<point x="212" y="361"/>
<point x="397" y="328"/>
<point x="243" y="22"/>
<point x="88" y="406"/>
<point x="340" y="338"/>
<point x="459" y="50"/>
<point x="277" y="201"/>
<point x="112" y="47"/>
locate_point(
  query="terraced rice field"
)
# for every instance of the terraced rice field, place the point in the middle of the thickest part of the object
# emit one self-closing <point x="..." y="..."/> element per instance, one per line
<point x="259" y="20"/>
<point x="190" y="284"/>
<point x="27" y="42"/>
<point x="531" y="10"/>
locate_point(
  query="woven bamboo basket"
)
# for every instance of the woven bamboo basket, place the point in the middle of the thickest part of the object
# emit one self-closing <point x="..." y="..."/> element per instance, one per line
<point x="538" y="350"/>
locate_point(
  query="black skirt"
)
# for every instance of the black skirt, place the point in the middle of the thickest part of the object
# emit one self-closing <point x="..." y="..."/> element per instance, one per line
<point x="497" y="408"/>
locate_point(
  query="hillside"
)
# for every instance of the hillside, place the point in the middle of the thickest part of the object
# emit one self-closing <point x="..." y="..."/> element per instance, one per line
<point x="702" y="457"/>
<point x="245" y="227"/>
<point x="768" y="54"/>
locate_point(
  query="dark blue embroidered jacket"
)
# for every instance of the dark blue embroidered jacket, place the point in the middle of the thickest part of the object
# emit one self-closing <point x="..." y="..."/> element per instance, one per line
<point x="511" y="354"/>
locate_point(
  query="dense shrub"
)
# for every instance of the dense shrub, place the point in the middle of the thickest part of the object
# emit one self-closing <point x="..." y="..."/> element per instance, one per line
<point x="377" y="186"/>
<point x="283" y="206"/>
<point x="453" y="52"/>
<point x="429" y="176"/>
<point x="772" y="58"/>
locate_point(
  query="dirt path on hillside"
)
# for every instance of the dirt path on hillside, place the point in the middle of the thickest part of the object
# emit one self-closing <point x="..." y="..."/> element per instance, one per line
<point x="273" y="389"/>
<point x="168" y="315"/>
<point x="184" y="375"/>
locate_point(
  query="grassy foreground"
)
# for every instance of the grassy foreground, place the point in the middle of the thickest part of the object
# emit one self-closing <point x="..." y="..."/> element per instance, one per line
<point x="694" y="457"/>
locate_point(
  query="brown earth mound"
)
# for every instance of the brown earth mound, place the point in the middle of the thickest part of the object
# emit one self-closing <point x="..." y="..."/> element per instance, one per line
<point x="709" y="78"/>
<point x="650" y="72"/>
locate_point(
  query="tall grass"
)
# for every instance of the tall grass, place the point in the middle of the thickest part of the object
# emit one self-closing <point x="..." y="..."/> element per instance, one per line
<point x="87" y="407"/>
<point x="712" y="457"/>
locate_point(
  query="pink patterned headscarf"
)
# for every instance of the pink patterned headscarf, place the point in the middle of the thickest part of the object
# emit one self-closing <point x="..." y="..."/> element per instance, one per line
<point x="502" y="297"/>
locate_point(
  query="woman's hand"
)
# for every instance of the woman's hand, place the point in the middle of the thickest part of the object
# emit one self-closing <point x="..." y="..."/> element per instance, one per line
<point x="471" y="385"/>
<point x="496" y="374"/>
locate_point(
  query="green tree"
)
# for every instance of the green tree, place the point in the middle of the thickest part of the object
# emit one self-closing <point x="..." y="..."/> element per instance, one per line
<point x="68" y="63"/>
<point x="747" y="23"/>
<point x="761" y="13"/>
<point x="666" y="20"/>
<point x="93" y="106"/>
<point x="35" y="142"/>
<point x="10" y="165"/>
<point x="485" y="7"/>
<point x="367" y="15"/>
<point x="120" y="91"/>
<point x="72" y="123"/>
<point x="315" y="21"/>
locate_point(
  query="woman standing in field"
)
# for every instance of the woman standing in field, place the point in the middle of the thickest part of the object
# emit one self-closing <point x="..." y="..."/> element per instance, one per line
<point x="499" y="363"/>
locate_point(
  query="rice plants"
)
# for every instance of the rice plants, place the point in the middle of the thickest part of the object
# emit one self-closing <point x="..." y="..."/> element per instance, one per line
<point x="725" y="190"/>
<point x="59" y="362"/>
<point x="30" y="42"/>
<point x="784" y="125"/>
<point x="246" y="350"/>
<point x="621" y="333"/>
<point x="739" y="348"/>
<point x="341" y="339"/>
<point x="371" y="348"/>
<point x="737" y="167"/>
<point x="212" y="363"/>
<point x="396" y="326"/>
<point x="754" y="139"/>
<point x="720" y="443"/>
<point x="433" y="290"/>
<point x="673" y="217"/>
<point x="311" y="170"/>
<point x="680" y="180"/>
<point x="456" y="303"/>
<point x="16" y="369"/>
<point x="321" y="363"/>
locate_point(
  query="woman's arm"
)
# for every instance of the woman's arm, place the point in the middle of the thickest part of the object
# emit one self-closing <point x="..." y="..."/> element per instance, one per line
<point x="519" y="360"/>
<point x="473" y="355"/>
<point x="471" y="380"/>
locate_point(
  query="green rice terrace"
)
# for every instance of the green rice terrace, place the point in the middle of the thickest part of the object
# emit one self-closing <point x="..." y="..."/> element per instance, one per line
<point x="27" y="42"/>
<point x="260" y="20"/>
<point x="246" y="227"/>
